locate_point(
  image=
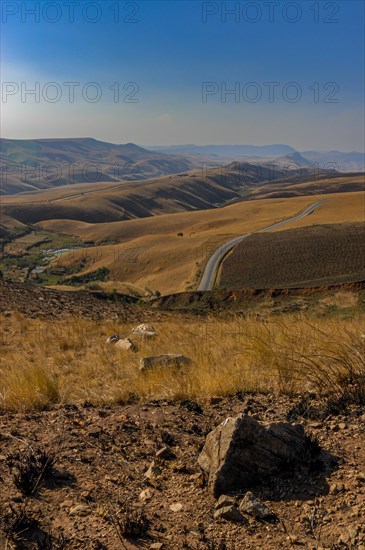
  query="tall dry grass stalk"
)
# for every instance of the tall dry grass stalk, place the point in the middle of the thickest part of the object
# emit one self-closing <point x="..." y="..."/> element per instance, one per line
<point x="47" y="362"/>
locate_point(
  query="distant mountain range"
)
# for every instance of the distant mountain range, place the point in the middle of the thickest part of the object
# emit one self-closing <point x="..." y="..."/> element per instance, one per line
<point x="331" y="160"/>
<point x="32" y="165"/>
<point x="293" y="160"/>
<point x="342" y="162"/>
<point x="226" y="151"/>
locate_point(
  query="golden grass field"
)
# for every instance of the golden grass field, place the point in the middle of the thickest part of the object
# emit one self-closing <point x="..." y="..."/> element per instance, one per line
<point x="348" y="183"/>
<point x="150" y="254"/>
<point x="67" y="361"/>
<point x="190" y="191"/>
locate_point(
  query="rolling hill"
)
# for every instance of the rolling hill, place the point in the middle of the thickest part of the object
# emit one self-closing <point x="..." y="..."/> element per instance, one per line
<point x="309" y="256"/>
<point x="226" y="151"/>
<point x="195" y="190"/>
<point x="168" y="252"/>
<point x="294" y="159"/>
<point x="340" y="161"/>
<point x="29" y="165"/>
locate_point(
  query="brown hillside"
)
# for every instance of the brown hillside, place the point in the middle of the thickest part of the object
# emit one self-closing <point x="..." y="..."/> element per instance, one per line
<point x="310" y="256"/>
<point x="197" y="190"/>
<point x="150" y="253"/>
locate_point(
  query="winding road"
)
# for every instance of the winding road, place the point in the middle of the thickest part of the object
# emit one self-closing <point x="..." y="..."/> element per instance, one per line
<point x="211" y="269"/>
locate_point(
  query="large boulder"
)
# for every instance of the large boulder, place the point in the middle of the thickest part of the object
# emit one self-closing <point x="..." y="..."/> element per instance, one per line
<point x="241" y="452"/>
<point x="166" y="360"/>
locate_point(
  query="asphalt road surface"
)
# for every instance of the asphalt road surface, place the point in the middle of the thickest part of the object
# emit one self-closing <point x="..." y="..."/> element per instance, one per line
<point x="211" y="269"/>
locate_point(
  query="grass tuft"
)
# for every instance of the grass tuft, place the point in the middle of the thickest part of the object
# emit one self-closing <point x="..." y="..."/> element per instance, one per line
<point x="48" y="362"/>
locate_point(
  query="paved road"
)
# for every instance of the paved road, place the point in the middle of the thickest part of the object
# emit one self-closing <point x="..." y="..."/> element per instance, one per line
<point x="211" y="269"/>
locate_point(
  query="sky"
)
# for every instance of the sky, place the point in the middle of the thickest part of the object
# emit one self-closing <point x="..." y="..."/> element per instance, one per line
<point x="175" y="72"/>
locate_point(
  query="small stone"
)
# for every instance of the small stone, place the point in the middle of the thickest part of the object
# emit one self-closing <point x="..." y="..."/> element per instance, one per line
<point x="112" y="479"/>
<point x="125" y="344"/>
<point x="176" y="507"/>
<point x="336" y="488"/>
<point x="145" y="495"/>
<point x="156" y="546"/>
<point x="255" y="508"/>
<point x="113" y="339"/>
<point x="230" y="513"/>
<point x="225" y="500"/>
<point x="342" y="425"/>
<point x="153" y="471"/>
<point x="215" y="399"/>
<point x="167" y="360"/>
<point x="145" y="331"/>
<point x="360" y="477"/>
<point x="80" y="510"/>
<point x="315" y="425"/>
<point x="164" y="453"/>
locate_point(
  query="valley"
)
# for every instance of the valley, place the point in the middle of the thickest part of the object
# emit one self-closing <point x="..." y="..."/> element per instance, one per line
<point x="182" y="275"/>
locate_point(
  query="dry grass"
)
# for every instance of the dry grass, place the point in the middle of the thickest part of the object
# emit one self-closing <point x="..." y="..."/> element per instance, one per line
<point x="151" y="254"/>
<point x="45" y="362"/>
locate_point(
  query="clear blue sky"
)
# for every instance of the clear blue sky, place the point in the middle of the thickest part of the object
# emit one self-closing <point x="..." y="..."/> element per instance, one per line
<point x="170" y="51"/>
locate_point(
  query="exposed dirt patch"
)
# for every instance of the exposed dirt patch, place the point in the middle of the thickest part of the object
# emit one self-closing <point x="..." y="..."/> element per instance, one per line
<point x="102" y="455"/>
<point x="35" y="301"/>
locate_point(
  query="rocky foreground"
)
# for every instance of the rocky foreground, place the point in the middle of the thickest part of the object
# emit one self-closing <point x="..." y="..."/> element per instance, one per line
<point x="135" y="476"/>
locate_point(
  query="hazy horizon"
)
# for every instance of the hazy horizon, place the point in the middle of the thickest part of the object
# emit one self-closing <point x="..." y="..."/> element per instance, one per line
<point x="167" y="145"/>
<point x="182" y="72"/>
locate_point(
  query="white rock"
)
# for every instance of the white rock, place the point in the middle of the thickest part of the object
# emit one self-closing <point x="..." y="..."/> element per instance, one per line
<point x="176" y="507"/>
<point x="145" y="331"/>
<point x="126" y="344"/>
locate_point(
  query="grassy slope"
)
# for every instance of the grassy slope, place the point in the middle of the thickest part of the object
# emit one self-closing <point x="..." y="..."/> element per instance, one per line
<point x="303" y="257"/>
<point x="73" y="364"/>
<point x="348" y="183"/>
<point x="80" y="160"/>
<point x="178" y="193"/>
<point x="151" y="254"/>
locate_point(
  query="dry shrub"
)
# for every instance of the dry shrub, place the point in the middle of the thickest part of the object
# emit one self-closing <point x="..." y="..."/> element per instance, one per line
<point x="130" y="522"/>
<point x="30" y="469"/>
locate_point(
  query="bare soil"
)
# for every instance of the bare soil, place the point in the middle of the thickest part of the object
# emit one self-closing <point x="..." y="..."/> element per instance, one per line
<point x="103" y="453"/>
